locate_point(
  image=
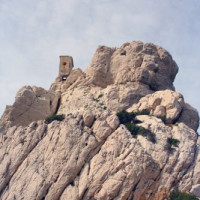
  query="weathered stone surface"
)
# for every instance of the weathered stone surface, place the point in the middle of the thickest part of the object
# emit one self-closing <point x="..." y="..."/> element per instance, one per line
<point x="96" y="99"/>
<point x="62" y="84"/>
<point x="169" y="106"/>
<point x="164" y="104"/>
<point x="196" y="190"/>
<point x="98" y="162"/>
<point x="119" y="97"/>
<point x="66" y="146"/>
<point x="31" y="104"/>
<point x="89" y="155"/>
<point x="189" y="116"/>
<point x="192" y="177"/>
<point x="133" y="62"/>
<point x="98" y="70"/>
<point x="88" y="118"/>
<point x="113" y="121"/>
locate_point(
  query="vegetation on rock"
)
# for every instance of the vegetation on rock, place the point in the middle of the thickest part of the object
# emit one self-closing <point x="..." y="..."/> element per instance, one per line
<point x="171" y="142"/>
<point x="49" y="119"/>
<point x="177" y="195"/>
<point x="128" y="119"/>
<point x="89" y="140"/>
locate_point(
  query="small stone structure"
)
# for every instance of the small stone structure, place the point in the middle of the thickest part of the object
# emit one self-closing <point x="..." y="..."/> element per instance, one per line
<point x="67" y="75"/>
<point x="66" y="65"/>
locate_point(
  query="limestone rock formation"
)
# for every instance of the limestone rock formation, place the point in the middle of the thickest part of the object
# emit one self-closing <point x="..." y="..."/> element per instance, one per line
<point x="133" y="62"/>
<point x="90" y="155"/>
<point x="31" y="104"/>
<point x="169" y="106"/>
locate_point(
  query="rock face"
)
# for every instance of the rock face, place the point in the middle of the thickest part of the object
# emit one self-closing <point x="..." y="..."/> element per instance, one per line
<point x="169" y="106"/>
<point x="31" y="104"/>
<point x="90" y="155"/>
<point x="133" y="62"/>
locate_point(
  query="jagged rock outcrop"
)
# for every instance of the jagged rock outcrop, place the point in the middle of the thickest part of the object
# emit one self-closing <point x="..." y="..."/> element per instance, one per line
<point x="169" y="106"/>
<point x="31" y="104"/>
<point x="90" y="155"/>
<point x="133" y="62"/>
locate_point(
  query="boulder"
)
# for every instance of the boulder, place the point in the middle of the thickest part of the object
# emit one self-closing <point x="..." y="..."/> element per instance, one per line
<point x="165" y="104"/>
<point x="169" y="106"/>
<point x="88" y="118"/>
<point x="133" y="62"/>
<point x="31" y="104"/>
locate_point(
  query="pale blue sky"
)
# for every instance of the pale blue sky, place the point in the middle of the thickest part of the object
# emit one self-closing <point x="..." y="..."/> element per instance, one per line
<point x="33" y="34"/>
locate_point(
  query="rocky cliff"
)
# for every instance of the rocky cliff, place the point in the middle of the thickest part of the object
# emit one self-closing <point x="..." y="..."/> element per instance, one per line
<point x="91" y="153"/>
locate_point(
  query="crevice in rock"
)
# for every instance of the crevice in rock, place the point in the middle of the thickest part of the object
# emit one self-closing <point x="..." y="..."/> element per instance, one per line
<point x="58" y="105"/>
<point x="92" y="153"/>
<point x="7" y="180"/>
<point x="177" y="118"/>
<point x="49" y="185"/>
<point x="174" y="163"/>
<point x="45" y="193"/>
<point x="134" y="189"/>
<point x="84" y="194"/>
<point x="72" y="183"/>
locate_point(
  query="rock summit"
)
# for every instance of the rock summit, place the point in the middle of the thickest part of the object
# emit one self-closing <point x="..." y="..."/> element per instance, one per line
<point x="116" y="131"/>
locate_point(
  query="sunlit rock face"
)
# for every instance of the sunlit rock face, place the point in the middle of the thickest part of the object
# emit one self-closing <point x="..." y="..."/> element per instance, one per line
<point x="133" y="62"/>
<point x="91" y="154"/>
<point x="31" y="104"/>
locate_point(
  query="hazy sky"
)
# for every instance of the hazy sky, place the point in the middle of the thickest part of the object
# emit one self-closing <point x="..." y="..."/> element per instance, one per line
<point x="33" y="34"/>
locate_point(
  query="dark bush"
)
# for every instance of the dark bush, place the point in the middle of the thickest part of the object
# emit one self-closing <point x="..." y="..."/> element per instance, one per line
<point x="171" y="142"/>
<point x="143" y="112"/>
<point x="177" y="195"/>
<point x="128" y="119"/>
<point x="48" y="120"/>
<point x="125" y="117"/>
<point x="135" y="129"/>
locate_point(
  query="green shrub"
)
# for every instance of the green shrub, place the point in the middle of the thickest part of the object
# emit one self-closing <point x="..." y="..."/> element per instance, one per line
<point x="171" y="142"/>
<point x="135" y="129"/>
<point x="48" y="120"/>
<point x="125" y="117"/>
<point x="177" y="195"/>
<point x="128" y="119"/>
<point x="143" y="112"/>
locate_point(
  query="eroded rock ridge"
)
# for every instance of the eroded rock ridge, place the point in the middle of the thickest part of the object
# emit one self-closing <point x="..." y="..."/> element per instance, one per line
<point x="90" y="155"/>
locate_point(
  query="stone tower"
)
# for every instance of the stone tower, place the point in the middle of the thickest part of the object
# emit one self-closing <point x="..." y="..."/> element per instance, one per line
<point x="66" y="65"/>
